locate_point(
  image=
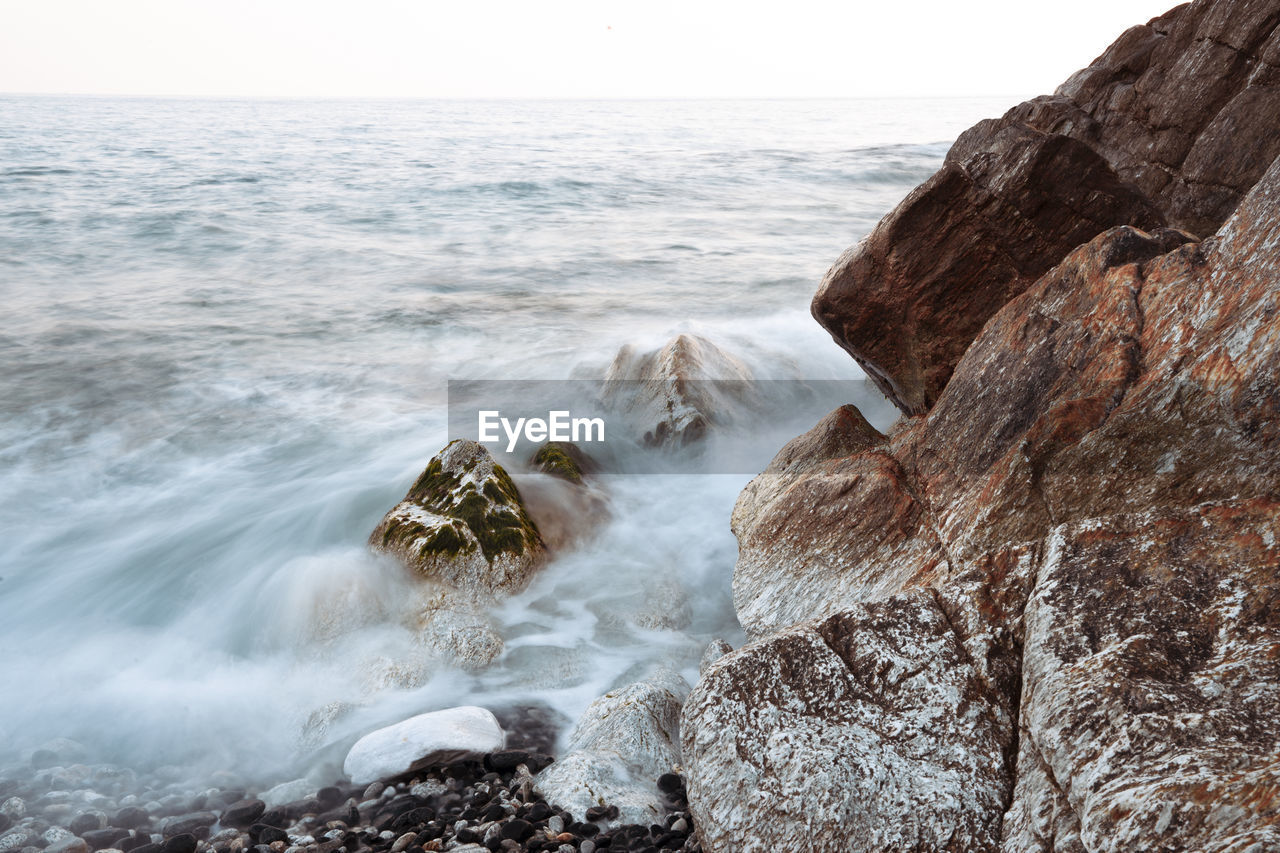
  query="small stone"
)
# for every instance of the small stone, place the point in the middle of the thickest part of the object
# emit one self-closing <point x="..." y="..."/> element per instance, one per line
<point x="403" y="842"/>
<point x="374" y="790"/>
<point x="669" y="783"/>
<point x="243" y="812"/>
<point x="99" y="839"/>
<point x="517" y="830"/>
<point x="87" y="822"/>
<point x="587" y="846"/>
<point x="57" y="834"/>
<point x="131" y="817"/>
<point x="68" y="845"/>
<point x="183" y="843"/>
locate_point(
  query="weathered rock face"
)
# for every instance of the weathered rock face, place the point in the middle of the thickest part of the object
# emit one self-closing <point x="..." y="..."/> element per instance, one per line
<point x="792" y="522"/>
<point x="1151" y="677"/>
<point x="462" y="525"/>
<point x="870" y="730"/>
<point x="623" y="742"/>
<point x="1174" y="123"/>
<point x="669" y="392"/>
<point x="1098" y="493"/>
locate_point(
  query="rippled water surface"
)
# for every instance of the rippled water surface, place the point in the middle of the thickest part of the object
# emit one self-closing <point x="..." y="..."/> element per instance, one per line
<point x="226" y="332"/>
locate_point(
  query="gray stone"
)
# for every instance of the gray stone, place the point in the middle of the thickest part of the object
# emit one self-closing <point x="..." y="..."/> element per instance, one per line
<point x="622" y="743"/>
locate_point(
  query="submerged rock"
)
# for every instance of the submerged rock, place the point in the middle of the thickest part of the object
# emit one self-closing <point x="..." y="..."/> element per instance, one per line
<point x="438" y="737"/>
<point x="677" y="393"/>
<point x="561" y="496"/>
<point x="623" y="742"/>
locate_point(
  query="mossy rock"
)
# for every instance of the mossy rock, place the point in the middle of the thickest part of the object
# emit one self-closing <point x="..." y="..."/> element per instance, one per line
<point x="562" y="459"/>
<point x="463" y="523"/>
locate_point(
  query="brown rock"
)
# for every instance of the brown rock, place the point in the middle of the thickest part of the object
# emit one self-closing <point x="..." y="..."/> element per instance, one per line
<point x="870" y="730"/>
<point x="1174" y="123"/>
<point x="1094" y="501"/>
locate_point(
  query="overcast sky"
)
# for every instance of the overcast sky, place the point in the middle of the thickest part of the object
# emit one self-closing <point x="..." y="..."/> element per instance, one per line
<point x="554" y="48"/>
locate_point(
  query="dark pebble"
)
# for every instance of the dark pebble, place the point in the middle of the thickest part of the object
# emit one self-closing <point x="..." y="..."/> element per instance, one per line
<point x="597" y="813"/>
<point x="412" y="819"/>
<point x="5" y="823"/>
<point x="494" y="812"/>
<point x="586" y="830"/>
<point x="539" y="812"/>
<point x="517" y="829"/>
<point x="100" y="839"/>
<point x="266" y="834"/>
<point x="42" y="758"/>
<point x="197" y="823"/>
<point x="184" y="843"/>
<point x="670" y="783"/>
<point x="148" y="848"/>
<point x="133" y="842"/>
<point x="243" y="813"/>
<point x="274" y="817"/>
<point x="131" y="818"/>
<point x="83" y="823"/>
<point x="467" y="835"/>
<point x="329" y="797"/>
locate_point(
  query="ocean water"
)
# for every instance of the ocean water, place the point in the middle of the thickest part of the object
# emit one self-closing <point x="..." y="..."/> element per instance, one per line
<point x="226" y="334"/>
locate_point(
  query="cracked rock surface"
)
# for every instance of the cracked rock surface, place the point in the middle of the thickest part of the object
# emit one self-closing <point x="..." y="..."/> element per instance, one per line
<point x="1062" y="576"/>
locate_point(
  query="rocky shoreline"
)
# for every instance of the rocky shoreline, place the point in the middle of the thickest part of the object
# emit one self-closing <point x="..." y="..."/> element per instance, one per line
<point x="481" y="803"/>
<point x="1040" y="613"/>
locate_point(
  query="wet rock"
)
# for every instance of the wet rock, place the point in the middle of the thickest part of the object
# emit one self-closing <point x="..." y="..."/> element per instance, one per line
<point x="87" y="821"/>
<point x="623" y="741"/>
<point x="676" y="394"/>
<point x="99" y="839"/>
<point x="715" y="650"/>
<point x="68" y="845"/>
<point x="131" y="817"/>
<point x="195" y="822"/>
<point x="287" y="792"/>
<point x="463" y="525"/>
<point x="243" y="813"/>
<point x="434" y="738"/>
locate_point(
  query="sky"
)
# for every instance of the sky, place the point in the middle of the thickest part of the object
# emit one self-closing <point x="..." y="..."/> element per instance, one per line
<point x="554" y="48"/>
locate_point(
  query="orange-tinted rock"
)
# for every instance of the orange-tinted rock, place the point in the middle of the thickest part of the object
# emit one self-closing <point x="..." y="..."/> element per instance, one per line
<point x="1094" y="503"/>
<point x="1173" y="124"/>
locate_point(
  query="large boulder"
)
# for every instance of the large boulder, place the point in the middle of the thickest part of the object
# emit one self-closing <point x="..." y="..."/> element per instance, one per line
<point x="439" y="737"/>
<point x="1098" y="492"/>
<point x="623" y="742"/>
<point x="1173" y="124"/>
<point x="870" y="730"/>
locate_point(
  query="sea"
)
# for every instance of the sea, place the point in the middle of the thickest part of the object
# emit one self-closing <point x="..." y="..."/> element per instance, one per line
<point x="227" y="329"/>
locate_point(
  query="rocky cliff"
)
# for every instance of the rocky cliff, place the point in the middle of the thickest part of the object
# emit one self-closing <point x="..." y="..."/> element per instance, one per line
<point x="1043" y="612"/>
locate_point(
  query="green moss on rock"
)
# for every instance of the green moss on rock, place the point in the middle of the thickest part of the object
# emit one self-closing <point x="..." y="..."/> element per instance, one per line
<point x="560" y="459"/>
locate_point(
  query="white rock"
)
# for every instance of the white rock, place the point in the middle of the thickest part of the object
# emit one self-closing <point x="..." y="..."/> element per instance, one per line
<point x="434" y="738"/>
<point x="287" y="792"/>
<point x="14" y="808"/>
<point x="624" y="741"/>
